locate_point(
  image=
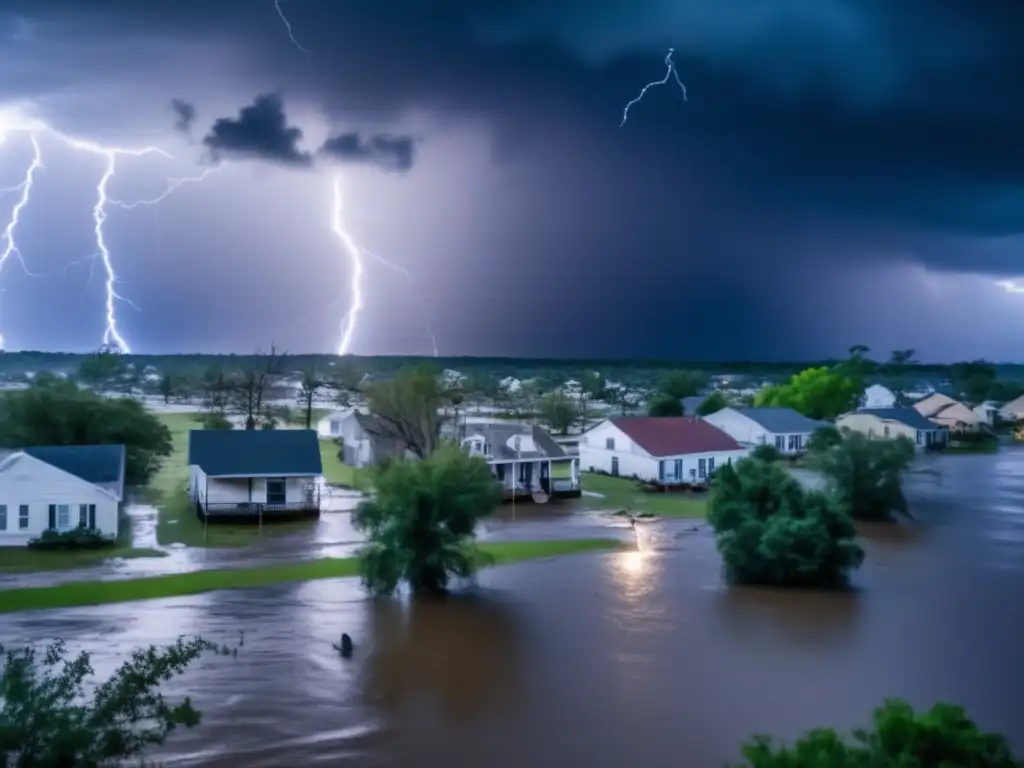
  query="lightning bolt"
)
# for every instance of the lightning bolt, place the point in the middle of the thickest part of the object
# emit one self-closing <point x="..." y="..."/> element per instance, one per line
<point x="355" y="255"/>
<point x="670" y="73"/>
<point x="291" y="34"/>
<point x="11" y="246"/>
<point x="172" y="186"/>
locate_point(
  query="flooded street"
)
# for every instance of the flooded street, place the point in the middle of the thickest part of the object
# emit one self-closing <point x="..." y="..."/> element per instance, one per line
<point x="629" y="658"/>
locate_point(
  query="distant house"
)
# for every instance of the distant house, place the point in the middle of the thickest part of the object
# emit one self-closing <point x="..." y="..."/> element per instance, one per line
<point x="60" y="488"/>
<point x="330" y="426"/>
<point x="686" y="449"/>
<point x="784" y="428"/>
<point x="525" y="458"/>
<point x="946" y="412"/>
<point x="987" y="412"/>
<point x="877" y="396"/>
<point x="1013" y="410"/>
<point x="239" y="475"/>
<point x="890" y="423"/>
<point x="367" y="440"/>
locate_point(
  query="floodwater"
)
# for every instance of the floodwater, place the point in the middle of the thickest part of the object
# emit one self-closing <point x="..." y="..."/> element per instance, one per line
<point x="638" y="658"/>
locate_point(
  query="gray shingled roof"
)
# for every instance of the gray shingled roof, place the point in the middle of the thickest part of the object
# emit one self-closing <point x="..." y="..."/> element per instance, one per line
<point x="254" y="452"/>
<point x="101" y="465"/>
<point x="499" y="435"/>
<point x="907" y="416"/>
<point x="782" y="421"/>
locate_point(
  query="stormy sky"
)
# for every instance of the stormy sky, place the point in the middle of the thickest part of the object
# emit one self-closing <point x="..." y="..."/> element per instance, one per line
<point x="841" y="172"/>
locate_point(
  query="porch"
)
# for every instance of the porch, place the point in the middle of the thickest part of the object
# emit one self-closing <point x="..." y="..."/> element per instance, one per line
<point x="558" y="479"/>
<point x="255" y="513"/>
<point x="256" y="500"/>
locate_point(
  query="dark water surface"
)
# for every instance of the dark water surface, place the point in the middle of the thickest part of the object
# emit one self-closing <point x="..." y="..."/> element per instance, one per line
<point x="634" y="658"/>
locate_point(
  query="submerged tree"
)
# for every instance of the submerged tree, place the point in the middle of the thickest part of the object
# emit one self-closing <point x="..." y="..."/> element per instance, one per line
<point x="48" y="721"/>
<point x="942" y="736"/>
<point x="420" y="523"/>
<point x="770" y="530"/>
<point x="866" y="474"/>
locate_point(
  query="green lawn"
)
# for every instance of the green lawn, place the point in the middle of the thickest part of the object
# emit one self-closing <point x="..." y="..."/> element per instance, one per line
<point x="618" y="493"/>
<point x="103" y="592"/>
<point x="338" y="473"/>
<point x="25" y="560"/>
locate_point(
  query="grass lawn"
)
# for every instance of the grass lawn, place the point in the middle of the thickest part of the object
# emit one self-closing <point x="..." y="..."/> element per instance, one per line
<point x="620" y="492"/>
<point x="102" y="592"/>
<point x="338" y="473"/>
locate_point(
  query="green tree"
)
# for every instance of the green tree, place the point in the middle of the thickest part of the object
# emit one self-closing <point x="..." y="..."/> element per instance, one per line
<point x="49" y="721"/>
<point x="713" y="403"/>
<point x="104" y="369"/>
<point x="662" y="405"/>
<point x="168" y="387"/>
<point x="214" y="420"/>
<point x="680" y="384"/>
<point x="420" y="523"/>
<point x="56" y="412"/>
<point x="558" y="410"/>
<point x="766" y="453"/>
<point x="824" y="438"/>
<point x="818" y="393"/>
<point x="943" y="736"/>
<point x="866" y="474"/>
<point x="411" y="406"/>
<point x="769" y="530"/>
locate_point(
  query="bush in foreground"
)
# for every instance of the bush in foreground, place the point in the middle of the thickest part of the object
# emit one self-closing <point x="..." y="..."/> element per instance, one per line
<point x="942" y="737"/>
<point x="420" y="523"/>
<point x="769" y="530"/>
<point x="48" y="721"/>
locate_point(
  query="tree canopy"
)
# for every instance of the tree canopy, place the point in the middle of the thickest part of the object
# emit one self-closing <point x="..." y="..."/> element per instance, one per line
<point x="411" y="406"/>
<point x="866" y="474"/>
<point x="54" y="411"/>
<point x="680" y="384"/>
<point x="662" y="406"/>
<point x="420" y="523"/>
<point x="713" y="403"/>
<point x="818" y="393"/>
<point x="769" y="530"/>
<point x="558" y="410"/>
<point x="942" y="736"/>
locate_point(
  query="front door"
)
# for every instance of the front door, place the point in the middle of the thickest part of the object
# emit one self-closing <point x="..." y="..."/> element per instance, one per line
<point x="615" y="465"/>
<point x="276" y="491"/>
<point x="545" y="477"/>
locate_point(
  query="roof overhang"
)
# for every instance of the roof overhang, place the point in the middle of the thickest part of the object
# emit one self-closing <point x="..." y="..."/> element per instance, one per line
<point x="263" y="474"/>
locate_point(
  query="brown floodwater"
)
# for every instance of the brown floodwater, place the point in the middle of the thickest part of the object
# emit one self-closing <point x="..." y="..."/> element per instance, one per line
<point x="626" y="658"/>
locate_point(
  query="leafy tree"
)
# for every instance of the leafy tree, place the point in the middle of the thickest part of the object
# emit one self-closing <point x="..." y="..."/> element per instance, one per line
<point x="104" y="369"/>
<point x="54" y="411"/>
<point x="49" y="721"/>
<point x="421" y="521"/>
<point x="866" y="474"/>
<point x="558" y="411"/>
<point x="818" y="393"/>
<point x="713" y="403"/>
<point x="411" y="406"/>
<point x="680" y="384"/>
<point x="942" y="736"/>
<point x="769" y="530"/>
<point x="824" y="438"/>
<point x="662" y="405"/>
<point x="214" y="420"/>
<point x="766" y="453"/>
<point x="168" y="387"/>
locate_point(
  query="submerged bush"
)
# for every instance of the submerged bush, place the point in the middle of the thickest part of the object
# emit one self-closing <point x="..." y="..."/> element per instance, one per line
<point x="866" y="474"/>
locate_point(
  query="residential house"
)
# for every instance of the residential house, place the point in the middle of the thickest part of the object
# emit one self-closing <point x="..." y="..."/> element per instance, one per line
<point x="330" y="426"/>
<point x="784" y="428"/>
<point x="987" y="412"/>
<point x="877" y="396"/>
<point x="678" y="450"/>
<point x="946" y="412"/>
<point x="525" y="458"/>
<point x="890" y="423"/>
<point x="254" y="475"/>
<point x="1013" y="410"/>
<point x="60" y="488"/>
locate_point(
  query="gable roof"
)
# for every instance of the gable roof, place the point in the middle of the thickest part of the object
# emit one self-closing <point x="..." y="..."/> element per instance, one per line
<point x="252" y="452"/>
<point x="782" y="421"/>
<point x="501" y="435"/>
<point x="933" y="403"/>
<point x="96" y="464"/>
<point x="907" y="416"/>
<point x="675" y="436"/>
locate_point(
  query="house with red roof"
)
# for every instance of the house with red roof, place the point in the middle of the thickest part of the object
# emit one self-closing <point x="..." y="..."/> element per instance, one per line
<point x="686" y="449"/>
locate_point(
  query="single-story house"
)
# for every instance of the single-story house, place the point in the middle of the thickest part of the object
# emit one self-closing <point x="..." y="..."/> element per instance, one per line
<point x="784" y="428"/>
<point x="877" y="396"/>
<point x="987" y="412"/>
<point x="947" y="412"/>
<point x="525" y="458"/>
<point x="891" y="423"/>
<point x="239" y="475"/>
<point x="330" y="426"/>
<point x="684" y="449"/>
<point x="60" y="488"/>
<point x="1013" y="410"/>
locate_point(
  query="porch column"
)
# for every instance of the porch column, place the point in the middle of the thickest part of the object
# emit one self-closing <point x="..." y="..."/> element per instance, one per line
<point x="551" y="479"/>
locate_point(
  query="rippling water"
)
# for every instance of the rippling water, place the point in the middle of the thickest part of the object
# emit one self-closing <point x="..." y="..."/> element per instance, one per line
<point x="640" y="658"/>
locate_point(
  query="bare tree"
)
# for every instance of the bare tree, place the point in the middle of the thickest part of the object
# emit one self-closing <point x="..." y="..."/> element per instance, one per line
<point x="249" y="390"/>
<point x="311" y="385"/>
<point x="411" y="406"/>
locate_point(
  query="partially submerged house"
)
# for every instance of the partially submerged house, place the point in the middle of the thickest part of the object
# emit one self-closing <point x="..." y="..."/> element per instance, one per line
<point x="254" y="475"/>
<point x="1013" y="410"/>
<point x="890" y="423"/>
<point x="783" y="428"/>
<point x="60" y="488"/>
<point x="945" y="411"/>
<point x="525" y="458"/>
<point x="669" y="451"/>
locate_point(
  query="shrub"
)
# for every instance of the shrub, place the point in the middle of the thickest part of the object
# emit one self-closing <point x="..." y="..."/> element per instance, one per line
<point x="77" y="538"/>
<point x="823" y="439"/>
<point x="766" y="453"/>
<point x="866" y="475"/>
<point x="769" y="530"/>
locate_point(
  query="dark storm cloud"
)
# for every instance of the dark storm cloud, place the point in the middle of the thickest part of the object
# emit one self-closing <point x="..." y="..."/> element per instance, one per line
<point x="185" y="114"/>
<point x="385" y="151"/>
<point x="260" y="132"/>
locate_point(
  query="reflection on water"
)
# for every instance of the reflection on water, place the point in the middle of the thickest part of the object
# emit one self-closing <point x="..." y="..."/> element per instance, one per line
<point x="620" y="658"/>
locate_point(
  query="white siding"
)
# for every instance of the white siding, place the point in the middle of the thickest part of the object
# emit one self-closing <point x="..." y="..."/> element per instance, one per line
<point x="691" y="465"/>
<point x="331" y="426"/>
<point x="25" y="480"/>
<point x="236" y="490"/>
<point x="514" y="472"/>
<point x="877" y="396"/>
<point x="739" y="427"/>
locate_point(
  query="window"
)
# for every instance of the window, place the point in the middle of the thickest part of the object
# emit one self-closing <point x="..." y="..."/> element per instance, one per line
<point x="3" y="517"/>
<point x="86" y="515"/>
<point x="780" y="442"/>
<point x="886" y="431"/>
<point x="711" y="465"/>
<point x="23" y="516"/>
<point x="276" y="490"/>
<point x="794" y="442"/>
<point x="679" y="469"/>
<point x="702" y="468"/>
<point x="609" y="443"/>
<point x="335" y="427"/>
<point x="920" y="436"/>
<point x="63" y="516"/>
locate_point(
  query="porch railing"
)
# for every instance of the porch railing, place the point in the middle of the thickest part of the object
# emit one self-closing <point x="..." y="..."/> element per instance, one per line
<point x="256" y="509"/>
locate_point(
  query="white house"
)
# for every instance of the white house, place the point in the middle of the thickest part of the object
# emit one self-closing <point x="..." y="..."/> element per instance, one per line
<point x="784" y="428"/>
<point x="331" y="425"/>
<point x="987" y="412"/>
<point x="525" y="458"/>
<point x="1013" y="410"/>
<point x="238" y="474"/>
<point x="60" y="488"/>
<point x="877" y="396"/>
<point x="946" y="412"/>
<point x="890" y="423"/>
<point x="686" y="449"/>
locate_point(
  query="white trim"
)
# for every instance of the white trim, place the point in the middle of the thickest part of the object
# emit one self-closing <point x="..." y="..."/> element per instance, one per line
<point x="14" y="457"/>
<point x="268" y="474"/>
